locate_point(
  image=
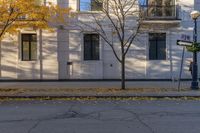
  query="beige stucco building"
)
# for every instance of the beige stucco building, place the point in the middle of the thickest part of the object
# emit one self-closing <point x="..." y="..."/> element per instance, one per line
<point x="61" y="54"/>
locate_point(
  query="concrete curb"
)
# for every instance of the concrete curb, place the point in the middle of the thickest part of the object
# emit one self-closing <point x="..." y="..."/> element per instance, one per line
<point x="98" y="96"/>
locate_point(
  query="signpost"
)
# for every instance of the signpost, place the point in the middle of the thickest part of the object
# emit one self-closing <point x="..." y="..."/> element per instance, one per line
<point x="183" y="43"/>
<point x="181" y="69"/>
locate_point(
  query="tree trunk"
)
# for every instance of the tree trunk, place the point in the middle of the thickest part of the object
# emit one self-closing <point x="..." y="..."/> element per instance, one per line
<point x="123" y="85"/>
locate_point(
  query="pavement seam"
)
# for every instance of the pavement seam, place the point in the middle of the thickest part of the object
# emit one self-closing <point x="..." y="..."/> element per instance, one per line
<point x="140" y="120"/>
<point x="34" y="126"/>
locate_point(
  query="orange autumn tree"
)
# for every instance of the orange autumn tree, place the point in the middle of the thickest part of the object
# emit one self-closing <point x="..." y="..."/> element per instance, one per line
<point x="18" y="14"/>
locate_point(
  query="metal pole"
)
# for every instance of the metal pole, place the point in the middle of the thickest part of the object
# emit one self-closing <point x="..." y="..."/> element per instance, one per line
<point x="194" y="84"/>
<point x="41" y="53"/>
<point x="181" y="69"/>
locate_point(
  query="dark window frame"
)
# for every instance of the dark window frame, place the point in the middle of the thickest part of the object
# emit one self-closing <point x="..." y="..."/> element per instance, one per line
<point x="29" y="44"/>
<point x="156" y="41"/>
<point x="92" y="46"/>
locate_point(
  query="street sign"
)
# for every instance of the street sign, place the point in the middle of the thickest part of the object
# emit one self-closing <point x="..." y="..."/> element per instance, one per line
<point x="184" y="43"/>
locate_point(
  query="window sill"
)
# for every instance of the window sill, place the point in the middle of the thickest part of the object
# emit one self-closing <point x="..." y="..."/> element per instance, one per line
<point x="158" y="60"/>
<point x="91" y="60"/>
<point x="161" y="21"/>
<point x="87" y="12"/>
<point x="29" y="61"/>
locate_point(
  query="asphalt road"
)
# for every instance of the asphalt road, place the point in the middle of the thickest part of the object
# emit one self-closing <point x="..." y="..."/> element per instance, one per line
<point x="164" y="116"/>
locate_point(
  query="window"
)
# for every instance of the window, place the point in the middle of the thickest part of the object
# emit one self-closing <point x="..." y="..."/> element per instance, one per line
<point x="29" y="47"/>
<point x="23" y="17"/>
<point x="142" y="2"/>
<point x="157" y="46"/>
<point x="161" y="8"/>
<point x="91" y="47"/>
<point x="90" y="5"/>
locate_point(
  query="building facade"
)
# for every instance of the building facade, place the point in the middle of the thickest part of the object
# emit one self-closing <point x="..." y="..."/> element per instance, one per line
<point x="71" y="53"/>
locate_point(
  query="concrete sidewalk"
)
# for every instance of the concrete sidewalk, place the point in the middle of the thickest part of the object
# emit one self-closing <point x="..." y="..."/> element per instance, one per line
<point x="96" y="89"/>
<point x="94" y="84"/>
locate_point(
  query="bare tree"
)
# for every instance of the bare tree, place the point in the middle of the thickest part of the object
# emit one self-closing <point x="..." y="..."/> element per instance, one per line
<point x="118" y="23"/>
